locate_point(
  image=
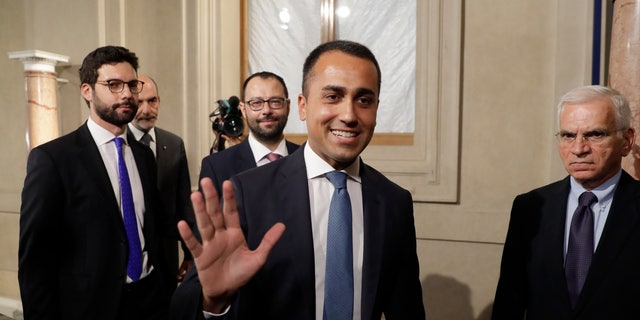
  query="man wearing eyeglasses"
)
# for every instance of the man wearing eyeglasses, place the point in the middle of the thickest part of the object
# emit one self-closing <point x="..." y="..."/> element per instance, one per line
<point x="90" y="237"/>
<point x="265" y="106"/>
<point x="573" y="247"/>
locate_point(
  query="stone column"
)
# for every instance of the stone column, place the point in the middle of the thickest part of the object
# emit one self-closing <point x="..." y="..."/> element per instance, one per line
<point x="624" y="68"/>
<point x="41" y="87"/>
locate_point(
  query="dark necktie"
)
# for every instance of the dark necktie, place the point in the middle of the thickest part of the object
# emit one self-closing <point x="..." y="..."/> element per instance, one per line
<point x="338" y="287"/>
<point x="146" y="139"/>
<point x="273" y="156"/>
<point x="134" y="263"/>
<point x="580" y="249"/>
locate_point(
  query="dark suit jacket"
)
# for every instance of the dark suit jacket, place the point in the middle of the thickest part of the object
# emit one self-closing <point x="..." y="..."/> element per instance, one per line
<point x="73" y="248"/>
<point x="532" y="278"/>
<point x="223" y="165"/>
<point x="285" y="287"/>
<point x="174" y="185"/>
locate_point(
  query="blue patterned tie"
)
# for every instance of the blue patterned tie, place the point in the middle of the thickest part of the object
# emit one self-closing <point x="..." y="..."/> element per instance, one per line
<point x="580" y="249"/>
<point x="134" y="264"/>
<point x="338" y="287"/>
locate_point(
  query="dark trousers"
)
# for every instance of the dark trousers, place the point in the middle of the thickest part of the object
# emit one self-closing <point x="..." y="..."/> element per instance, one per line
<point x="146" y="299"/>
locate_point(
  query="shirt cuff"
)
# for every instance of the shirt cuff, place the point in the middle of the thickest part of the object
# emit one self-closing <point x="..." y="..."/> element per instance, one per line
<point x="211" y="315"/>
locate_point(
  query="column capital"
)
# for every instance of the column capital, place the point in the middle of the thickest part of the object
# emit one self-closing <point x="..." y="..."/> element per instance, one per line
<point x="38" y="60"/>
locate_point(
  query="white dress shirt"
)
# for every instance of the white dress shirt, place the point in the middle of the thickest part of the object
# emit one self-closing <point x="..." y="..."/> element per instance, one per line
<point x="320" y="192"/>
<point x="260" y="151"/>
<point x="137" y="133"/>
<point x="107" y="147"/>
<point x="600" y="209"/>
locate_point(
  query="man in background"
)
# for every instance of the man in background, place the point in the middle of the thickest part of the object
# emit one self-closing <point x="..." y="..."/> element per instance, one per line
<point x="265" y="106"/>
<point x="91" y="237"/>
<point x="174" y="183"/>
<point x="573" y="247"/>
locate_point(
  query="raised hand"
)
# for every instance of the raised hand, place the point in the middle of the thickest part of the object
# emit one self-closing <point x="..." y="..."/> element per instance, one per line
<point x="223" y="260"/>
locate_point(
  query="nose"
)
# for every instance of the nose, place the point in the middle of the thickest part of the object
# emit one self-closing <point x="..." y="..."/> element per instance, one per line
<point x="580" y="146"/>
<point x="348" y="114"/>
<point x="143" y="107"/>
<point x="126" y="91"/>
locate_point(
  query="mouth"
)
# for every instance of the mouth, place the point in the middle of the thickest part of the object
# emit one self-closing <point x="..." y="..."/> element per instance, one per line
<point x="343" y="134"/>
<point x="125" y="106"/>
<point x="581" y="165"/>
<point x="268" y="121"/>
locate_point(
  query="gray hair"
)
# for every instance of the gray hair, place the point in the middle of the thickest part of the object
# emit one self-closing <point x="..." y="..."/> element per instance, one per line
<point x="595" y="92"/>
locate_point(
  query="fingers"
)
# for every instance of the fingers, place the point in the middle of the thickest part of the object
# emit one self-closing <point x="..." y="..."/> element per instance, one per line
<point x="230" y="208"/>
<point x="190" y="241"/>
<point x="212" y="203"/>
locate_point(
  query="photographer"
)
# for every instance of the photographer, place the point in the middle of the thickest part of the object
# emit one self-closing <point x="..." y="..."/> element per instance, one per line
<point x="227" y="124"/>
<point x="265" y="106"/>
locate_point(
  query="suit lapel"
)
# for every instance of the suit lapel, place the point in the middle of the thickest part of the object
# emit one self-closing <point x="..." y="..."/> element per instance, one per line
<point x="291" y="178"/>
<point x="244" y="157"/>
<point x="552" y="229"/>
<point x="373" y="205"/>
<point x="88" y="152"/>
<point x="147" y="171"/>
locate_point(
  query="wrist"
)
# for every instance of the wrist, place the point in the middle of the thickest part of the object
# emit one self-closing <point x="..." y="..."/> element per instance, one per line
<point x="215" y="305"/>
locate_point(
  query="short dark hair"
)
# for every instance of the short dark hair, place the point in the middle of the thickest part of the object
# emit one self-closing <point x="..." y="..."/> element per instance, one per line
<point x="264" y="75"/>
<point x="104" y="55"/>
<point x="345" y="46"/>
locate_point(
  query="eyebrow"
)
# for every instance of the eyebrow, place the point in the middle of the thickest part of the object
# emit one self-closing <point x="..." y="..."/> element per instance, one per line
<point x="334" y="88"/>
<point x="585" y="131"/>
<point x="340" y="89"/>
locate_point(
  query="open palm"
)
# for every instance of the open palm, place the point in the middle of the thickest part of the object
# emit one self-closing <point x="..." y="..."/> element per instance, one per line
<point x="223" y="260"/>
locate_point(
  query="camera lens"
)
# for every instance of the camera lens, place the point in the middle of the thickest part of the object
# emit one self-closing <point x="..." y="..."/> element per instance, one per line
<point x="233" y="126"/>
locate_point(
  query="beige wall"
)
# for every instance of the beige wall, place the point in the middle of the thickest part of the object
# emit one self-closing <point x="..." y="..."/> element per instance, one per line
<point x="517" y="58"/>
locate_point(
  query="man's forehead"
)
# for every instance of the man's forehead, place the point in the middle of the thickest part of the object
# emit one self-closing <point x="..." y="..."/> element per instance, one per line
<point x="120" y="70"/>
<point x="263" y="84"/>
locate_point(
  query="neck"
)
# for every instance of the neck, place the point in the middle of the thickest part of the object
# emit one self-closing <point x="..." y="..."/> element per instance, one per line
<point x="113" y="128"/>
<point x="271" y="144"/>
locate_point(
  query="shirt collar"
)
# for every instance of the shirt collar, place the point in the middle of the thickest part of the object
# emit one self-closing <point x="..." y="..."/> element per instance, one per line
<point x="137" y="133"/>
<point x="260" y="151"/>
<point x="604" y="192"/>
<point x="317" y="167"/>
<point x="101" y="135"/>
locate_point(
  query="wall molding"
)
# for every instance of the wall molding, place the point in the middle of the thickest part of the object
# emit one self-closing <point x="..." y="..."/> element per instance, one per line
<point x="430" y="167"/>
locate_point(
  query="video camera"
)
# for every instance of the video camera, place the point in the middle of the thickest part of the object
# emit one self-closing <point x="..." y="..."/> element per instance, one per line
<point x="227" y="118"/>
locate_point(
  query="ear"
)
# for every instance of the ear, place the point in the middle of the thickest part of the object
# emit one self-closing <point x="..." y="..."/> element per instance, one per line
<point x="629" y="136"/>
<point x="243" y="109"/>
<point x="302" y="107"/>
<point x="87" y="91"/>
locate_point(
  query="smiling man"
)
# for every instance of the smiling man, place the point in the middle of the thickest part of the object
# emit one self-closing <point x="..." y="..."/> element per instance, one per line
<point x="318" y="234"/>
<point x="572" y="248"/>
<point x="265" y="105"/>
<point x="90" y="240"/>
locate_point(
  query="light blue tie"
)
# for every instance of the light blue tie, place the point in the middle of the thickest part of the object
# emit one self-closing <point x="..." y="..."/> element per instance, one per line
<point x="134" y="263"/>
<point x="338" y="286"/>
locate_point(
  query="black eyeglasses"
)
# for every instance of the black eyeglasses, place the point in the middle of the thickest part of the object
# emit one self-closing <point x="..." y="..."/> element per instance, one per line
<point x="274" y="103"/>
<point x="117" y="86"/>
